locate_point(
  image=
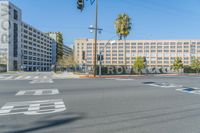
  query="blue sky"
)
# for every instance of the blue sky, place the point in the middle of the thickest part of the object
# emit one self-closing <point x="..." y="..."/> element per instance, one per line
<point x="152" y="19"/>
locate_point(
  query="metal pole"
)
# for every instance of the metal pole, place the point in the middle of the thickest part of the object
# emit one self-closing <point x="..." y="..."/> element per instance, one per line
<point x="100" y="64"/>
<point x="101" y="55"/>
<point x="95" y="42"/>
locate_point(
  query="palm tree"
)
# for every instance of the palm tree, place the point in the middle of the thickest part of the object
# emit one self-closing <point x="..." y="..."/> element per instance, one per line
<point x="123" y="26"/>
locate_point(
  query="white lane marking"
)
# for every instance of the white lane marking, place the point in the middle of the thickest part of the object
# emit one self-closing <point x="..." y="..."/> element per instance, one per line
<point x="9" y="77"/>
<point x="40" y="81"/>
<point x="164" y="85"/>
<point x="45" y="77"/>
<point x="124" y="79"/>
<point x="38" y="92"/>
<point x="33" y="107"/>
<point x="118" y="79"/>
<point x="19" y="77"/>
<point x="27" y="77"/>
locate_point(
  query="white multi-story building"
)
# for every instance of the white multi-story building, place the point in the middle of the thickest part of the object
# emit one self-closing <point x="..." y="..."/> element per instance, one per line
<point x="36" y="49"/>
<point x="10" y="36"/>
<point x="22" y="46"/>
<point x="158" y="53"/>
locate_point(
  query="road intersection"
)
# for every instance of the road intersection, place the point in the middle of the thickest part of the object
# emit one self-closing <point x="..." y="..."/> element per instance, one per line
<point x="99" y="105"/>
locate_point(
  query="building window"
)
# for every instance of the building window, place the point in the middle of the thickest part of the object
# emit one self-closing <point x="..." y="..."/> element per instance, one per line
<point x="15" y="40"/>
<point x="15" y="15"/>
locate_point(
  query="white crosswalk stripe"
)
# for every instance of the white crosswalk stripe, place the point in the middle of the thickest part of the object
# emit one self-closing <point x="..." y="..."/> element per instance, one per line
<point x="10" y="77"/>
<point x="41" y="81"/>
<point x="19" y="77"/>
<point x="44" y="78"/>
<point x="36" y="77"/>
<point x="28" y="77"/>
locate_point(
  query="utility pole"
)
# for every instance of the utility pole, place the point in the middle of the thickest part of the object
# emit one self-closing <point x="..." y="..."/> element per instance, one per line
<point x="101" y="56"/>
<point x="95" y="40"/>
<point x="80" y="5"/>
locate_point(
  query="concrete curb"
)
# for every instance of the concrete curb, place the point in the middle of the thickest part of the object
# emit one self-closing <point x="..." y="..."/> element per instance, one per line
<point x="113" y="77"/>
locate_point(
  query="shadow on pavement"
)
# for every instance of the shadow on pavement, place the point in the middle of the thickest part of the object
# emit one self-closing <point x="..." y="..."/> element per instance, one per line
<point x="50" y="122"/>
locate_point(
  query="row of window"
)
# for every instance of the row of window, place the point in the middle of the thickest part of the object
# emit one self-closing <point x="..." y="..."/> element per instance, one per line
<point x="45" y="50"/>
<point x="131" y="62"/>
<point x="36" y="63"/>
<point x="142" y="43"/>
<point x="34" y="41"/>
<point x="36" y="54"/>
<point x="147" y="47"/>
<point x="32" y="31"/>
<point x="35" y="58"/>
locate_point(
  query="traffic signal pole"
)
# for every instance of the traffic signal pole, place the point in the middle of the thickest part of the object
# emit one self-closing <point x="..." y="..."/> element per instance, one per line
<point x="95" y="41"/>
<point x="80" y="6"/>
<point x="100" y="63"/>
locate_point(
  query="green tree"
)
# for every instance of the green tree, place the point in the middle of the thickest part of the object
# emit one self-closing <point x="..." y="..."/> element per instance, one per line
<point x="139" y="64"/>
<point x="69" y="61"/>
<point x="195" y="65"/>
<point x="177" y="65"/>
<point x="123" y="27"/>
<point x="59" y="51"/>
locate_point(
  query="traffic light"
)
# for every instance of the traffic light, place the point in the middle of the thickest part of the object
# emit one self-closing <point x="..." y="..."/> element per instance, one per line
<point x="80" y="4"/>
<point x="98" y="57"/>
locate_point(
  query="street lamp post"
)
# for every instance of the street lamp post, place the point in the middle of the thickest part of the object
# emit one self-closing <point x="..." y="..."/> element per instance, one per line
<point x="95" y="42"/>
<point x="80" y="5"/>
<point x="97" y="30"/>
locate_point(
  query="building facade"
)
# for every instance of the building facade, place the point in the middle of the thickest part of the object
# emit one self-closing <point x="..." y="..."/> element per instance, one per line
<point x="67" y="51"/>
<point x="53" y="35"/>
<point x="36" y="49"/>
<point x="158" y="53"/>
<point x="10" y="36"/>
<point x="22" y="46"/>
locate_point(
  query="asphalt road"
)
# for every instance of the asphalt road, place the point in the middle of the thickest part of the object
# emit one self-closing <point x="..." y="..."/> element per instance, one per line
<point x="100" y="106"/>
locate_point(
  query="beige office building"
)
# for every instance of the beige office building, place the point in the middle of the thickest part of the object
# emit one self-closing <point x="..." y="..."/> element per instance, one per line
<point x="158" y="53"/>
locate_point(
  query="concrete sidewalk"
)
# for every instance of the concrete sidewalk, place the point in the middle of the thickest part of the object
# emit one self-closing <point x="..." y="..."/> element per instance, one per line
<point x="65" y="75"/>
<point x="139" y="76"/>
